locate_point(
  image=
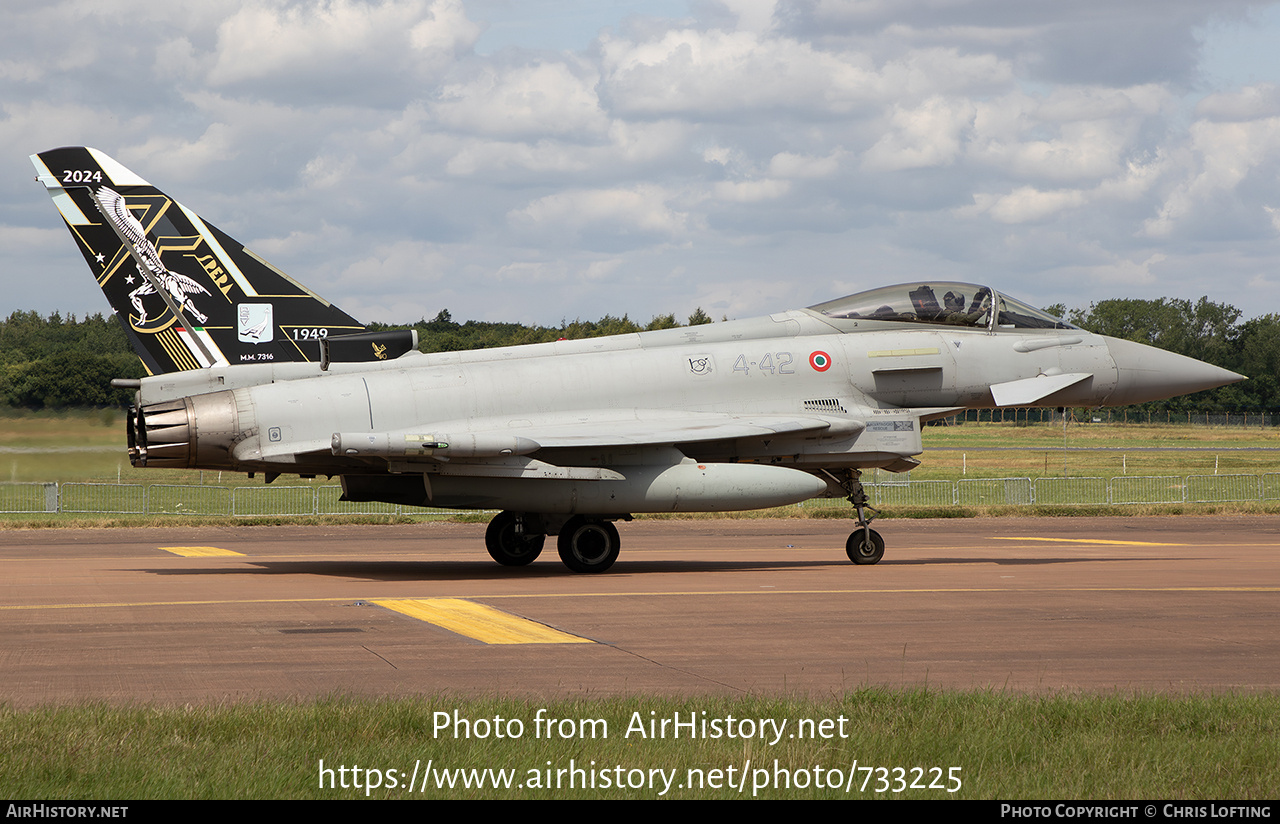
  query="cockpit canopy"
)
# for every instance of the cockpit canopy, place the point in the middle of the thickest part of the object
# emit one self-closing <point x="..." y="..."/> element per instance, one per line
<point x="942" y="303"/>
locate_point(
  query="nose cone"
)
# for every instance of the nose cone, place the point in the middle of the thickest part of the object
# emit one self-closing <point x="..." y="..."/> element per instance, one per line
<point x="1145" y="373"/>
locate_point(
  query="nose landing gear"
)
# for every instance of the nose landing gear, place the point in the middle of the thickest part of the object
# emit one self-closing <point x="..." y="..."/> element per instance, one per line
<point x="865" y="546"/>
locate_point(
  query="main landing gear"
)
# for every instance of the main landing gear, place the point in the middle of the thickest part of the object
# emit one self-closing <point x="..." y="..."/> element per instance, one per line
<point x="508" y="542"/>
<point x="585" y="544"/>
<point x="865" y="546"/>
<point x="588" y="546"/>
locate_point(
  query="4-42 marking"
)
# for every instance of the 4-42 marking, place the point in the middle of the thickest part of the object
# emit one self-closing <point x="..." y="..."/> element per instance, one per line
<point x="777" y="363"/>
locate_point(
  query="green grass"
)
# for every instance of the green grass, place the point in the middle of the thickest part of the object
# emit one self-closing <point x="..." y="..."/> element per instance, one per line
<point x="968" y="451"/>
<point x="1099" y="435"/>
<point x="65" y="445"/>
<point x="1094" y="450"/>
<point x="83" y="427"/>
<point x="1005" y="746"/>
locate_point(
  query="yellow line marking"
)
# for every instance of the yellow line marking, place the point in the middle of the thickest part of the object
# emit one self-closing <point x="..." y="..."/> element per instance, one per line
<point x="483" y="623"/>
<point x="902" y="353"/>
<point x="1087" y="541"/>
<point x="199" y="551"/>
<point x="136" y="604"/>
<point x="695" y="593"/>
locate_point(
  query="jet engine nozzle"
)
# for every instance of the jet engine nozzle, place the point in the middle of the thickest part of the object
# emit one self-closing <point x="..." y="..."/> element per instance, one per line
<point x="188" y="432"/>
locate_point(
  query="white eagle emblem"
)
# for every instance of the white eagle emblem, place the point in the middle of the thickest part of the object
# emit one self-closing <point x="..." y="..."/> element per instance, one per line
<point x="178" y="286"/>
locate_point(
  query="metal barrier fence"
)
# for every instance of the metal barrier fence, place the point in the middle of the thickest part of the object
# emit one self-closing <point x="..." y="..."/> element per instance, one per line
<point x="1152" y="489"/>
<point x="1122" y="489"/>
<point x="172" y="499"/>
<point x="246" y="501"/>
<point x="1049" y="416"/>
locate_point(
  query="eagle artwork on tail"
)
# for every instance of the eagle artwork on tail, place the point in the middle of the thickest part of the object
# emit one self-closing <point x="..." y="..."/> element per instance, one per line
<point x="179" y="287"/>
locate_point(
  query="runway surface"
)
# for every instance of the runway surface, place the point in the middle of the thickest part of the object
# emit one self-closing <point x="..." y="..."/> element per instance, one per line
<point x="692" y="607"/>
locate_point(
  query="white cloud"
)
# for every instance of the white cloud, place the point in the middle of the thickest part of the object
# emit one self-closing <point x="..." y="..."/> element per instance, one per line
<point x="624" y="146"/>
<point x="793" y="165"/>
<point x="744" y="297"/>
<point x="16" y="239"/>
<point x="643" y="209"/>
<point x="173" y="157"/>
<point x="1069" y="135"/>
<point x="724" y="155"/>
<point x="337" y="47"/>
<point x="1123" y="273"/>
<point x="753" y="15"/>
<point x="928" y="135"/>
<point x="1249" y="103"/>
<point x="1274" y="214"/>
<point x="31" y="126"/>
<point x="13" y="70"/>
<point x="1225" y="154"/>
<point x="542" y="273"/>
<point x="387" y="265"/>
<point x="297" y="241"/>
<point x="1136" y="180"/>
<point x="923" y="73"/>
<point x="714" y="72"/>
<point x="1024" y="204"/>
<point x="751" y="191"/>
<point x="527" y="101"/>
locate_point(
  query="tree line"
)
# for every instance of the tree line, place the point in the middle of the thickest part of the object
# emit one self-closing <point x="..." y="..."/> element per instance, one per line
<point x="58" y="362"/>
<point x="444" y="334"/>
<point x="1204" y="330"/>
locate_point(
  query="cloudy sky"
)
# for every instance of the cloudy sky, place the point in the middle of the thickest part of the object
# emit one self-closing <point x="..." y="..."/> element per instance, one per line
<point x="540" y="160"/>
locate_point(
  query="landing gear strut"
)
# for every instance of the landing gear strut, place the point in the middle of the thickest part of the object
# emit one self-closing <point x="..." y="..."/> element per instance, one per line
<point x="865" y="546"/>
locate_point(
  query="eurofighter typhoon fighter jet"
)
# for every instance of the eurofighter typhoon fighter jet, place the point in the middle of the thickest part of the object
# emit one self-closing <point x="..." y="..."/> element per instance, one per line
<point x="252" y="372"/>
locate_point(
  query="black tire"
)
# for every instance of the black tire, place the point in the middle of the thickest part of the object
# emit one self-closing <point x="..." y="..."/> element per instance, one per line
<point x="865" y="552"/>
<point x="589" y="546"/>
<point x="509" y="547"/>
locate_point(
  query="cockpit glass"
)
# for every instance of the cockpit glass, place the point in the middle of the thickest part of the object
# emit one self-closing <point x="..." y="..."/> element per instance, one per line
<point x="947" y="304"/>
<point x="1018" y="315"/>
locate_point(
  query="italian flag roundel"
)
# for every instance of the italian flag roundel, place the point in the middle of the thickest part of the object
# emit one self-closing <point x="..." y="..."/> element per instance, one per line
<point x="820" y="361"/>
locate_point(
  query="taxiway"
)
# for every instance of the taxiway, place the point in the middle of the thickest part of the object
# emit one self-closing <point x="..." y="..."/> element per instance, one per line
<point x="692" y="607"/>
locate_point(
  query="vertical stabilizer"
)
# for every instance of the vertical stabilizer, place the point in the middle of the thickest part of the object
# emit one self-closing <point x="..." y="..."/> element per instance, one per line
<point x="188" y="295"/>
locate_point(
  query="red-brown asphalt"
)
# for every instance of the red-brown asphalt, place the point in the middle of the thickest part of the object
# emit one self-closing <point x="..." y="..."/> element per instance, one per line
<point x="691" y="607"/>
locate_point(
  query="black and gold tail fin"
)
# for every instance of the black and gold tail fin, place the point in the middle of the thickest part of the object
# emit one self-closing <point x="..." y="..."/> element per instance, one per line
<point x="188" y="295"/>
